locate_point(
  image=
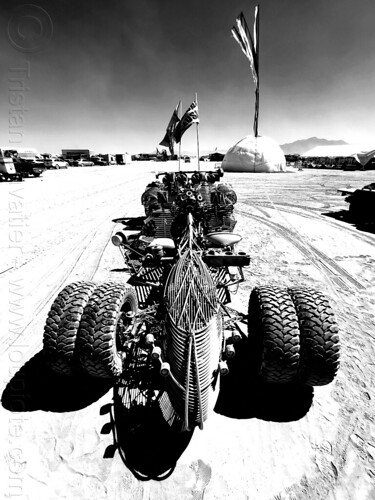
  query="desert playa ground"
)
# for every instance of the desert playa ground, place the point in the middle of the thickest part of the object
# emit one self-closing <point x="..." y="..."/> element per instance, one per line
<point x="260" y="443"/>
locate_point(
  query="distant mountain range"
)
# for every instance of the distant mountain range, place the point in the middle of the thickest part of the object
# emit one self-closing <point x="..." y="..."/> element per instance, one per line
<point x="303" y="145"/>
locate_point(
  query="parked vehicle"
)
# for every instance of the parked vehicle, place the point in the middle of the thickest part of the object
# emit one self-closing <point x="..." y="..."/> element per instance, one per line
<point x="28" y="168"/>
<point x="361" y="204"/>
<point x="7" y="169"/>
<point x="123" y="158"/>
<point x="97" y="160"/>
<point x="110" y="159"/>
<point x="120" y="159"/>
<point x="27" y="162"/>
<point x="83" y="163"/>
<point x="56" y="162"/>
<point x="165" y="334"/>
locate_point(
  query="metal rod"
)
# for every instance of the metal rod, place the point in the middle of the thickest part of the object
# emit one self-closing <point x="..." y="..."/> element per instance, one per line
<point x="179" y="145"/>
<point x="197" y="128"/>
<point x="256" y="43"/>
<point x="199" y="394"/>
<point x="187" y="384"/>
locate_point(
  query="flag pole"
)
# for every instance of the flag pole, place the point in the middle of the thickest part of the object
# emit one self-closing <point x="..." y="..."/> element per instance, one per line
<point x="256" y="115"/>
<point x="179" y="145"/>
<point x="256" y="42"/>
<point x="197" y="128"/>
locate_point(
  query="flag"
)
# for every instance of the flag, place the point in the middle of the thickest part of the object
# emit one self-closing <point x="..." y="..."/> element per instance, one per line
<point x="168" y="138"/>
<point x="191" y="116"/>
<point x="256" y="30"/>
<point x="248" y="46"/>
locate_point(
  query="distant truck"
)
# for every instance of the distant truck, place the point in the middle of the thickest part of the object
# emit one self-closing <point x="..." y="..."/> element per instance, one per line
<point x="27" y="162"/>
<point x="120" y="159"/>
<point x="123" y="158"/>
<point x="110" y="159"/>
<point x="7" y="169"/>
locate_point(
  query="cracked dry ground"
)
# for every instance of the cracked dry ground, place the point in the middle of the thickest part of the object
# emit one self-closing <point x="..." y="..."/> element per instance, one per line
<point x="294" y="228"/>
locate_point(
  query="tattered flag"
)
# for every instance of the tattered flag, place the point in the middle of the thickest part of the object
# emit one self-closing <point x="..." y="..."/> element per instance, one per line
<point x="248" y="46"/>
<point x="191" y="116"/>
<point x="168" y="139"/>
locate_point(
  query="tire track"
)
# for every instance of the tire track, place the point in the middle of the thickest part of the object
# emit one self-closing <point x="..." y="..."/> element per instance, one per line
<point x="287" y="208"/>
<point x="7" y="270"/>
<point x="74" y="259"/>
<point x="56" y="261"/>
<point x="41" y="208"/>
<point x="88" y="251"/>
<point x="335" y="273"/>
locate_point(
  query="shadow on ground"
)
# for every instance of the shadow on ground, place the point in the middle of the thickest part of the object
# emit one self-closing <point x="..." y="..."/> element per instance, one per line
<point x="243" y="394"/>
<point x="36" y="387"/>
<point x="345" y="216"/>
<point x="145" y="442"/>
<point x="147" y="445"/>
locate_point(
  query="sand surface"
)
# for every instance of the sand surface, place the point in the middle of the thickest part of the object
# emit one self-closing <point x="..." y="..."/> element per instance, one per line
<point x="57" y="229"/>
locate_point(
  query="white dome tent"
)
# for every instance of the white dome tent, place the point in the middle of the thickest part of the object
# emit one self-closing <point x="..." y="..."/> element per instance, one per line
<point x="255" y="154"/>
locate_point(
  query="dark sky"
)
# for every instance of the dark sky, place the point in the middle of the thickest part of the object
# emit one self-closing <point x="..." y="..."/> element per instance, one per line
<point x="106" y="75"/>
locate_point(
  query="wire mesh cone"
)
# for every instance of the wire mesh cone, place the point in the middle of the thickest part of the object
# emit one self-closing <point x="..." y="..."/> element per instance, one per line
<point x="193" y="340"/>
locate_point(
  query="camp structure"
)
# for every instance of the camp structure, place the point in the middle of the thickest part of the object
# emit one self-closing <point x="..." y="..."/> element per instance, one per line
<point x="363" y="154"/>
<point x="254" y="154"/>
